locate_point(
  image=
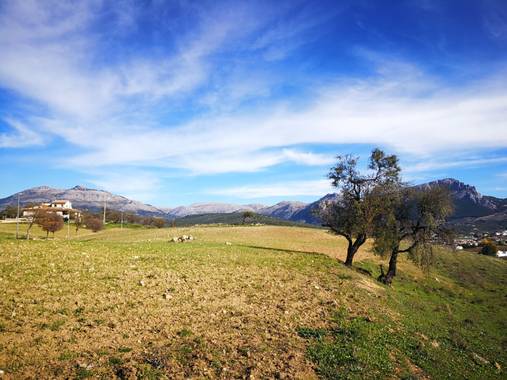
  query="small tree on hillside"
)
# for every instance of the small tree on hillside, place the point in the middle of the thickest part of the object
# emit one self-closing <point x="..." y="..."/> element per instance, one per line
<point x="247" y="215"/>
<point x="78" y="222"/>
<point x="50" y="222"/>
<point x="352" y="215"/>
<point x="489" y="248"/>
<point x="411" y="217"/>
<point x="158" y="222"/>
<point x="94" y="223"/>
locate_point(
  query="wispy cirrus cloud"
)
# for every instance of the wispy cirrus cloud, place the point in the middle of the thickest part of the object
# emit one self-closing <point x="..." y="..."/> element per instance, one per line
<point x="20" y="135"/>
<point x="458" y="162"/>
<point x="282" y="189"/>
<point x="378" y="111"/>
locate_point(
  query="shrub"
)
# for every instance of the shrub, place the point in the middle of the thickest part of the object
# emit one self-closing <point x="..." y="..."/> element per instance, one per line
<point x="94" y="223"/>
<point x="489" y="248"/>
<point x="50" y="222"/>
<point x="158" y="222"/>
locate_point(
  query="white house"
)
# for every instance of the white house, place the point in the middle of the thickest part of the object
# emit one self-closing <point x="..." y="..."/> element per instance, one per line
<point x="60" y="207"/>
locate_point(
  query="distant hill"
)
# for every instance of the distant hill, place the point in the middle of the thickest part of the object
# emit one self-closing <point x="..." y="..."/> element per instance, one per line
<point x="308" y="213"/>
<point x="211" y="208"/>
<point x="82" y="198"/>
<point x="468" y="202"/>
<point x="235" y="218"/>
<point x="283" y="210"/>
<point x="472" y="209"/>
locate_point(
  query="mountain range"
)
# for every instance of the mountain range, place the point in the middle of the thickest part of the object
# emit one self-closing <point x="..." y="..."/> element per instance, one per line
<point x="472" y="210"/>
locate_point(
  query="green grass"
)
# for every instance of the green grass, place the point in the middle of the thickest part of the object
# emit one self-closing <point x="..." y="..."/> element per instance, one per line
<point x="128" y="303"/>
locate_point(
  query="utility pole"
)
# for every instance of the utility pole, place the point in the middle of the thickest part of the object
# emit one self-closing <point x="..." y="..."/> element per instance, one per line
<point x="17" y="221"/>
<point x="105" y="206"/>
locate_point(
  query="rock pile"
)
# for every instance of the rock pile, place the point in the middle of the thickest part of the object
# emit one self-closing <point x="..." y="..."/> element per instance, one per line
<point x="182" y="239"/>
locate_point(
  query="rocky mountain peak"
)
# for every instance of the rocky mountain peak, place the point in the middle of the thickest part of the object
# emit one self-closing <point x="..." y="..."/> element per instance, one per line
<point x="79" y="187"/>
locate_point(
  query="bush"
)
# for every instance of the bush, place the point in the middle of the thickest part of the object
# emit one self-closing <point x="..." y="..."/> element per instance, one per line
<point x="489" y="249"/>
<point x="158" y="222"/>
<point x="50" y="222"/>
<point x="94" y="223"/>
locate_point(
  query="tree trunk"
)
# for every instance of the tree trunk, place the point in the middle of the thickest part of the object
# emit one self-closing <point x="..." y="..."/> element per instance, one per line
<point x="47" y="235"/>
<point x="353" y="248"/>
<point x="387" y="278"/>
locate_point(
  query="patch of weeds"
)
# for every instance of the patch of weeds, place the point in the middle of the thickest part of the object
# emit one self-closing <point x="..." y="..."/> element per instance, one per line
<point x="114" y="360"/>
<point x="67" y="355"/>
<point x="2" y="328"/>
<point x="124" y="349"/>
<point x="367" y="267"/>
<point x="148" y="372"/>
<point x="55" y="325"/>
<point x="307" y="332"/>
<point x="184" y="333"/>
<point x="217" y="366"/>
<point x="83" y="373"/>
<point x="78" y="311"/>
<point x="353" y="347"/>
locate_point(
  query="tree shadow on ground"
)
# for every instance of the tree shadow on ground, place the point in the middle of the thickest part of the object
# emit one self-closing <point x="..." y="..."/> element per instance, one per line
<point x="358" y="269"/>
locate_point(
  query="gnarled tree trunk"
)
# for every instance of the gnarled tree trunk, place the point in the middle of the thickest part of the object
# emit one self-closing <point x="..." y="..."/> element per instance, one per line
<point x="353" y="248"/>
<point x="387" y="278"/>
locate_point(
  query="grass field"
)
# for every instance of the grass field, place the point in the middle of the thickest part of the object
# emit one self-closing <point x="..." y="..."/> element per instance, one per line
<point x="275" y="303"/>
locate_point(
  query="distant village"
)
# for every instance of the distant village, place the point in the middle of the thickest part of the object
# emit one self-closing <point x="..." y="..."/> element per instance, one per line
<point x="473" y="241"/>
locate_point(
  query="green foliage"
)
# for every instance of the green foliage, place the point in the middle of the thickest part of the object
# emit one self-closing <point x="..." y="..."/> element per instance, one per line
<point x="9" y="212"/>
<point x="235" y="218"/>
<point x="489" y="248"/>
<point x="360" y="199"/>
<point x="408" y="222"/>
<point x="247" y="215"/>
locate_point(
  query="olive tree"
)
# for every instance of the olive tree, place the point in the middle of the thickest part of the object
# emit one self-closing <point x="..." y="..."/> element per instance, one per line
<point x="50" y="222"/>
<point x="353" y="214"/>
<point x="94" y="223"/>
<point x="410" y="219"/>
<point x="247" y="215"/>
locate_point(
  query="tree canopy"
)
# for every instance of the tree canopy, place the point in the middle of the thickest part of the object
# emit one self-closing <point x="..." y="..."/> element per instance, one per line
<point x="359" y="203"/>
<point x="410" y="219"/>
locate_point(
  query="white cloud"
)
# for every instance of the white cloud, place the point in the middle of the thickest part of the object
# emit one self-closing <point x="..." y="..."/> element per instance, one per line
<point x="133" y="184"/>
<point x="307" y="158"/>
<point x="21" y="136"/>
<point x="457" y="162"/>
<point x="372" y="112"/>
<point x="285" y="189"/>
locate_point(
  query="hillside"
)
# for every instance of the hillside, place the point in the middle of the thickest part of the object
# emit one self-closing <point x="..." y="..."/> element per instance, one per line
<point x="276" y="302"/>
<point x="235" y="218"/>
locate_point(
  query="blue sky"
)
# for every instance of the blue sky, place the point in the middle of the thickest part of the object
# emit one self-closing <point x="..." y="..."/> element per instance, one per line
<point x="175" y="102"/>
